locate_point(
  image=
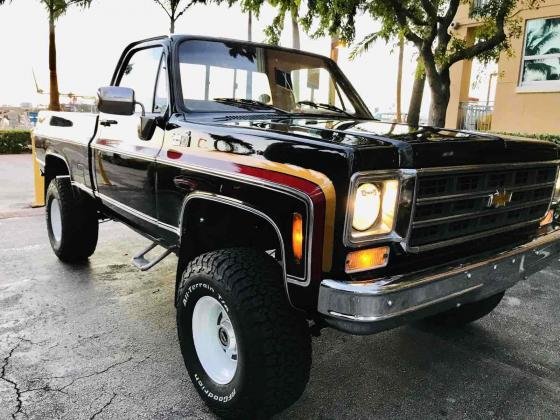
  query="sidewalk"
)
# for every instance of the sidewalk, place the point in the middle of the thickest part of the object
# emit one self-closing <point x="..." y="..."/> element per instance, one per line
<point x="16" y="186"/>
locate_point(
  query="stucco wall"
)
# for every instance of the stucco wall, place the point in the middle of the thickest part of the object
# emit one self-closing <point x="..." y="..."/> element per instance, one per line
<point x="525" y="112"/>
<point x="515" y="110"/>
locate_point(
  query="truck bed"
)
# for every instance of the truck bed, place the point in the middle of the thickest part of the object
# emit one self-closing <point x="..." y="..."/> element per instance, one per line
<point x="66" y="134"/>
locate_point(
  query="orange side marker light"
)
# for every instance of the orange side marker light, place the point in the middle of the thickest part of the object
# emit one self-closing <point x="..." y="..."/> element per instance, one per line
<point x="367" y="259"/>
<point x="297" y="237"/>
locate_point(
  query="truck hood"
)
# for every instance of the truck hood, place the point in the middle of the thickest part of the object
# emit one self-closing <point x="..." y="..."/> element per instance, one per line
<point x="411" y="147"/>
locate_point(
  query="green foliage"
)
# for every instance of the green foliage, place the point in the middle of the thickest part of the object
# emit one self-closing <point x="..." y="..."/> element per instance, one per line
<point x="425" y="23"/>
<point x="15" y="141"/>
<point x="175" y="8"/>
<point x="364" y="45"/>
<point x="274" y="30"/>
<point x="284" y="7"/>
<point x="57" y="8"/>
<point x="554" y="138"/>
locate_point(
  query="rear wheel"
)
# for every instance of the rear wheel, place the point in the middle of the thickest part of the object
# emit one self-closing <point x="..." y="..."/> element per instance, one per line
<point x="467" y="313"/>
<point x="248" y="353"/>
<point x="72" y="222"/>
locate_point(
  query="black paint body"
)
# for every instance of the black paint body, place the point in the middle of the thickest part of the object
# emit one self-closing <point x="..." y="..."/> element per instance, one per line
<point x="145" y="184"/>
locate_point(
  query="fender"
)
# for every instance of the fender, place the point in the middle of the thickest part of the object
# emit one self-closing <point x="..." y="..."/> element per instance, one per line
<point x="200" y="195"/>
<point x="58" y="156"/>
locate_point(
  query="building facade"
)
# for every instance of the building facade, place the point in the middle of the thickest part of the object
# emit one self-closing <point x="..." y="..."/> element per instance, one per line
<point x="527" y="98"/>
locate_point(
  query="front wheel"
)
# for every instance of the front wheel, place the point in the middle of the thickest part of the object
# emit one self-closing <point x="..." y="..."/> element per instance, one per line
<point x="248" y="353"/>
<point x="72" y="222"/>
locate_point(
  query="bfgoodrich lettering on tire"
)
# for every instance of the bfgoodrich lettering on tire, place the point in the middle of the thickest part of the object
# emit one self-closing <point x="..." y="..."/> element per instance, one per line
<point x="248" y="353"/>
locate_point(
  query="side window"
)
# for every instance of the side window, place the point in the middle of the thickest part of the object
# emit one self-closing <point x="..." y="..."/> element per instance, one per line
<point x="141" y="73"/>
<point x="161" y="99"/>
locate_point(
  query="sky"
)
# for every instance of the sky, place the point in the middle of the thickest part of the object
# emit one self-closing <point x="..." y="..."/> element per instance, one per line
<point x="90" y="42"/>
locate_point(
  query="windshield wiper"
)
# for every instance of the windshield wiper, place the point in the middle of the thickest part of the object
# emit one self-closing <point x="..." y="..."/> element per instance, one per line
<point x="249" y="102"/>
<point x="329" y="107"/>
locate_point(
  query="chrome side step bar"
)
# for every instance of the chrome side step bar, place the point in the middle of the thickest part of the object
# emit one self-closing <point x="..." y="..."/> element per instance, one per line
<point x="141" y="262"/>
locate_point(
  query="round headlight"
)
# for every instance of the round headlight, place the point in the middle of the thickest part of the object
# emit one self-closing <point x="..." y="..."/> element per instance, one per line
<point x="367" y="205"/>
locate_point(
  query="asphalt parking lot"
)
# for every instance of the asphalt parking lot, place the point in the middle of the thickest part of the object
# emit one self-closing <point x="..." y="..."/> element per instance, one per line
<point x="99" y="341"/>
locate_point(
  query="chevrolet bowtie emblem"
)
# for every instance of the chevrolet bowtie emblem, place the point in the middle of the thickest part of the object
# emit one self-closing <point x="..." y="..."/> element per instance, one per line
<point x="500" y="198"/>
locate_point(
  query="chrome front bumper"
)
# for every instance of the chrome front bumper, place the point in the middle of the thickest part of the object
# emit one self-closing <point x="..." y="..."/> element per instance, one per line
<point x="369" y="307"/>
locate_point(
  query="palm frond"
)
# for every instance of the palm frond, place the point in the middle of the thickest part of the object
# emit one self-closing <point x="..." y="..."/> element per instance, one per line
<point x="535" y="45"/>
<point x="543" y="68"/>
<point x="364" y="45"/>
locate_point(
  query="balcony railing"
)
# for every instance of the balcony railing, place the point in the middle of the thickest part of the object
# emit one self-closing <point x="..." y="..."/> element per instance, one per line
<point x="476" y="116"/>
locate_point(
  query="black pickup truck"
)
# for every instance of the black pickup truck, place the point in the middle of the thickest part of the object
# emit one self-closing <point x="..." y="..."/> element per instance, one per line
<point x="290" y="208"/>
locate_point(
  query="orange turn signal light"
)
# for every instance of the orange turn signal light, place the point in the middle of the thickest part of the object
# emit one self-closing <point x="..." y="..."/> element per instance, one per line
<point x="297" y="237"/>
<point x="367" y="259"/>
<point x="548" y="218"/>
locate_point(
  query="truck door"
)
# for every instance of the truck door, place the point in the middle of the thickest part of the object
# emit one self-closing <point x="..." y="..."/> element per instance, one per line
<point x="124" y="163"/>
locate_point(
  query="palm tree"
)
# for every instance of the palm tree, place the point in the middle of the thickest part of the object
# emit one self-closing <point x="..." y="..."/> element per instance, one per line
<point x="174" y="10"/>
<point x="55" y="9"/>
<point x="418" y="89"/>
<point x="399" y="78"/>
<point x="415" y="106"/>
<point x="294" y="13"/>
<point x="249" y="87"/>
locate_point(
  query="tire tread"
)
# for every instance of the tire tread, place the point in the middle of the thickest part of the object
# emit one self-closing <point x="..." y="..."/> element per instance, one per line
<point x="80" y="225"/>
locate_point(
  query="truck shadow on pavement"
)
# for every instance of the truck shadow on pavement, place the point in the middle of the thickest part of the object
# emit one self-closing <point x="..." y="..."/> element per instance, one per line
<point x="486" y="370"/>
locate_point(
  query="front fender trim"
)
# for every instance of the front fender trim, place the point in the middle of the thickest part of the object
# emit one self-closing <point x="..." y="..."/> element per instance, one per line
<point x="200" y="195"/>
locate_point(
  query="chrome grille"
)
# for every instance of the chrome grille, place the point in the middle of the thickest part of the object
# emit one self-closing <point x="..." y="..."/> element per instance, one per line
<point x="454" y="205"/>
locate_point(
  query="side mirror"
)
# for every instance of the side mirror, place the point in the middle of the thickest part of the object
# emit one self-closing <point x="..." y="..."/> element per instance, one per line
<point x="147" y="127"/>
<point x="116" y="100"/>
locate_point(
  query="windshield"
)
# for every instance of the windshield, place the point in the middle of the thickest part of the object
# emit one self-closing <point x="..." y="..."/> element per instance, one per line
<point x="233" y="77"/>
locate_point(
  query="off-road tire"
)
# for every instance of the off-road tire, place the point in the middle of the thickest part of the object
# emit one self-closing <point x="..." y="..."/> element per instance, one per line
<point x="79" y="221"/>
<point x="467" y="313"/>
<point x="274" y="343"/>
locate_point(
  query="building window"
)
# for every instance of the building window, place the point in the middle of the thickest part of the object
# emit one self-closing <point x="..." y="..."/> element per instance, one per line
<point x="541" y="58"/>
<point x="479" y="4"/>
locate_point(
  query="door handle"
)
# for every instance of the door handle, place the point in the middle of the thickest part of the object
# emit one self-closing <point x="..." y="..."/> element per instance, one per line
<point x="108" y="123"/>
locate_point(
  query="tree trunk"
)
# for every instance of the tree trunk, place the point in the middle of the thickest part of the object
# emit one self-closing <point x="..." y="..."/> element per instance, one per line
<point x="399" y="78"/>
<point x="295" y="31"/>
<point x="250" y="26"/>
<point x="334" y="48"/>
<point x="440" y="85"/>
<point x="54" y="103"/>
<point x="440" y="100"/>
<point x="415" y="106"/>
<point x="249" y="86"/>
<point x="172" y="27"/>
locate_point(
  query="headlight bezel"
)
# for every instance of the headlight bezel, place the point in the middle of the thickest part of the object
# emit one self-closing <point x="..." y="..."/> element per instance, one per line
<point x="404" y="200"/>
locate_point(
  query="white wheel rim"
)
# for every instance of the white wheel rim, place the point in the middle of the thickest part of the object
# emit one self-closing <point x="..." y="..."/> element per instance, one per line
<point x="56" y="219"/>
<point x="214" y="340"/>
